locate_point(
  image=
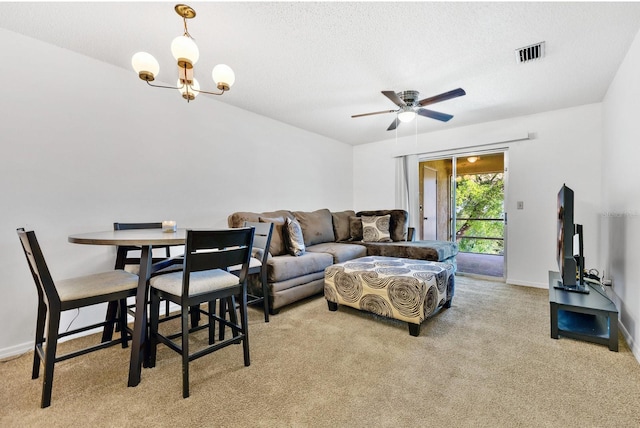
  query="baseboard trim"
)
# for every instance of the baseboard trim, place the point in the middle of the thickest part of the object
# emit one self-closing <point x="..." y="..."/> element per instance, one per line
<point x="15" y="350"/>
<point x="527" y="283"/>
<point x="630" y="342"/>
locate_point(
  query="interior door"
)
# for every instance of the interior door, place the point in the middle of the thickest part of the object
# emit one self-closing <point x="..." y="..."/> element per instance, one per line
<point x="430" y="204"/>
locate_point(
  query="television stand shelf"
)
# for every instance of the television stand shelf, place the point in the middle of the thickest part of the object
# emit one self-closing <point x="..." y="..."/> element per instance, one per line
<point x="591" y="317"/>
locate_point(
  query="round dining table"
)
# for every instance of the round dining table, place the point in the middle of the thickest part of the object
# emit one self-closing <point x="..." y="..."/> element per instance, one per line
<point x="145" y="239"/>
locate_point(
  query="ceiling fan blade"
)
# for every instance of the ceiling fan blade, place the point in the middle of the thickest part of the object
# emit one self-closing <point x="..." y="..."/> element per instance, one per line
<point x="442" y="97"/>
<point x="394" y="125"/>
<point x="434" y="114"/>
<point x="394" y="98"/>
<point x="377" y="112"/>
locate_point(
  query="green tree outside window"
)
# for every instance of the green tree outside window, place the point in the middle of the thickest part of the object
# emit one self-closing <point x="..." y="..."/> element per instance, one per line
<point x="480" y="196"/>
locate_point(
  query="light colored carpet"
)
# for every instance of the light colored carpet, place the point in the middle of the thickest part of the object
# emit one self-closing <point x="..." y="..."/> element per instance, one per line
<point x="486" y="362"/>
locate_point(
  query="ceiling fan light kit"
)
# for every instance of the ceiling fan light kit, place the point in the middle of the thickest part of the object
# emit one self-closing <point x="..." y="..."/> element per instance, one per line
<point x="409" y="106"/>
<point x="186" y="53"/>
<point x="407" y="114"/>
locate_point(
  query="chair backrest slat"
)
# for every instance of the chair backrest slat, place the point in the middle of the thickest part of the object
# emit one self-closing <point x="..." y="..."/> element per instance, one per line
<point x="122" y="252"/>
<point x="217" y="249"/>
<point x="41" y="275"/>
<point x="129" y="226"/>
<point x="262" y="237"/>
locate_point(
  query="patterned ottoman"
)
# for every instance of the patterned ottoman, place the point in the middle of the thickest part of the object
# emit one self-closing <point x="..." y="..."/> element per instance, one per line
<point x="403" y="289"/>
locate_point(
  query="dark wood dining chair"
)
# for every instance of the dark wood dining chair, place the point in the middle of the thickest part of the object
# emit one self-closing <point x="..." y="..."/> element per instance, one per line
<point x="258" y="265"/>
<point x="205" y="279"/>
<point x="125" y="261"/>
<point x="130" y="263"/>
<point x="74" y="293"/>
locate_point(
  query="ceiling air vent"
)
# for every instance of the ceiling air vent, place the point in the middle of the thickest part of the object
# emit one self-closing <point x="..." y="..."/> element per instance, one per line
<point x="530" y="53"/>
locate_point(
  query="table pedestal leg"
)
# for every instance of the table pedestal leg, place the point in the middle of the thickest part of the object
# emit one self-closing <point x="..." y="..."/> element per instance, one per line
<point x="139" y="345"/>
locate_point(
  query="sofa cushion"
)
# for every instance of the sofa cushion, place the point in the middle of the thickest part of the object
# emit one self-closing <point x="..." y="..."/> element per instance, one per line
<point x="376" y="228"/>
<point x="355" y="228"/>
<point x="237" y="219"/>
<point x="317" y="226"/>
<point x="340" y="251"/>
<point x="293" y="237"/>
<point x="287" y="266"/>
<point x="341" y="229"/>
<point x="277" y="246"/>
<point x="437" y="251"/>
<point x="398" y="225"/>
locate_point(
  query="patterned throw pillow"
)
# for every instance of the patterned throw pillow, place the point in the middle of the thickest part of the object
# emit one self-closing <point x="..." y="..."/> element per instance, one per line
<point x="376" y="228"/>
<point x="294" y="238"/>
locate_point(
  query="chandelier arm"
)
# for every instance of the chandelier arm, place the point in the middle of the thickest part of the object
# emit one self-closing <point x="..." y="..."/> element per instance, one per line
<point x="207" y="92"/>
<point x="162" y="86"/>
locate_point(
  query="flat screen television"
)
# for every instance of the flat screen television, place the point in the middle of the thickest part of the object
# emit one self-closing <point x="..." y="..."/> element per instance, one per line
<point x="570" y="251"/>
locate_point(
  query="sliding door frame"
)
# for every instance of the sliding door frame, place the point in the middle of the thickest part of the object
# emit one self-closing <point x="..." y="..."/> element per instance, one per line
<point x="453" y="156"/>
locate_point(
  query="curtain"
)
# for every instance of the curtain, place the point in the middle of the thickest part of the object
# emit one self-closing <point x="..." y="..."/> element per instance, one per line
<point x="407" y="188"/>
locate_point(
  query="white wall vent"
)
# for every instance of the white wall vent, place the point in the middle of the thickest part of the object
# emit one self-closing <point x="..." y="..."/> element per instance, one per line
<point x="530" y="53"/>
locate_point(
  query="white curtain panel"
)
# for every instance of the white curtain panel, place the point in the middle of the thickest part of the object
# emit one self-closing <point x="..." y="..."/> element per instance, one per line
<point x="407" y="187"/>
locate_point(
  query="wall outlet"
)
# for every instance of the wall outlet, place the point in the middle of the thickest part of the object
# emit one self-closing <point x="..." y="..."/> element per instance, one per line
<point x="520" y="205"/>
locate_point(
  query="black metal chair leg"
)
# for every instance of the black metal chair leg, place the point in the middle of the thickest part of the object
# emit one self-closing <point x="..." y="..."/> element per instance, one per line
<point x="40" y="326"/>
<point x="50" y="357"/>
<point x="265" y="297"/>
<point x="212" y="323"/>
<point x="245" y="330"/>
<point x="122" y="322"/>
<point x="112" y="310"/>
<point x="154" y="310"/>
<point x="233" y="315"/>
<point x="223" y="314"/>
<point x="195" y="315"/>
<point x="185" y="353"/>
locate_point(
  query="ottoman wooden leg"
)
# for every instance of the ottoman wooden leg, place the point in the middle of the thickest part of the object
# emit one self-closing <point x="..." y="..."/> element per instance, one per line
<point x="414" y="329"/>
<point x="333" y="306"/>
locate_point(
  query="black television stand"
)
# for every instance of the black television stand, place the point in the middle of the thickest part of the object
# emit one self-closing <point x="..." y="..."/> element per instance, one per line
<point x="591" y="317"/>
<point x="578" y="288"/>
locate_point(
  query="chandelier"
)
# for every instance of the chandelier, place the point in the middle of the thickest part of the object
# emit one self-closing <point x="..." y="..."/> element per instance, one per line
<point x="186" y="53"/>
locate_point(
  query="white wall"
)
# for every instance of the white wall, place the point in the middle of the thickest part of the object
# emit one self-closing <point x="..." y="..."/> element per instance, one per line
<point x="565" y="147"/>
<point x="85" y="144"/>
<point x="621" y="192"/>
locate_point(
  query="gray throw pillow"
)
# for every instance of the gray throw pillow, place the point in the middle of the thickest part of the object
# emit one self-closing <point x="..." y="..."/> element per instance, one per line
<point x="376" y="228"/>
<point x="294" y="239"/>
<point x="341" y="225"/>
<point x="355" y="228"/>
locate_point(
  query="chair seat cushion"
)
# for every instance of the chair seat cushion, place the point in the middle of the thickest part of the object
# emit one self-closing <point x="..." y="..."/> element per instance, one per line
<point x="96" y="285"/>
<point x="253" y="263"/>
<point x="200" y="282"/>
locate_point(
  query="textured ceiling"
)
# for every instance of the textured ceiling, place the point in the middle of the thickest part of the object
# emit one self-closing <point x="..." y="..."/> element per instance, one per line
<point x="313" y="65"/>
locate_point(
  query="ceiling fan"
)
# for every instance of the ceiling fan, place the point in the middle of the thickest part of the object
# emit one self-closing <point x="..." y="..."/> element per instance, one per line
<point x="410" y="106"/>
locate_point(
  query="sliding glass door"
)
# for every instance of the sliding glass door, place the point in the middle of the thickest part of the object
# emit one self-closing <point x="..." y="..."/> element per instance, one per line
<point x="462" y="199"/>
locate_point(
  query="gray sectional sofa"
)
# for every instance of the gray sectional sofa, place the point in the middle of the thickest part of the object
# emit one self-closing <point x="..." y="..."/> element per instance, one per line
<point x="329" y="238"/>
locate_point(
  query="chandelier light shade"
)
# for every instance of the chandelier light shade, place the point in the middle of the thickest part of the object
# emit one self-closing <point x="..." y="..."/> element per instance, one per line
<point x="224" y="77"/>
<point x="145" y="65"/>
<point x="186" y="53"/>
